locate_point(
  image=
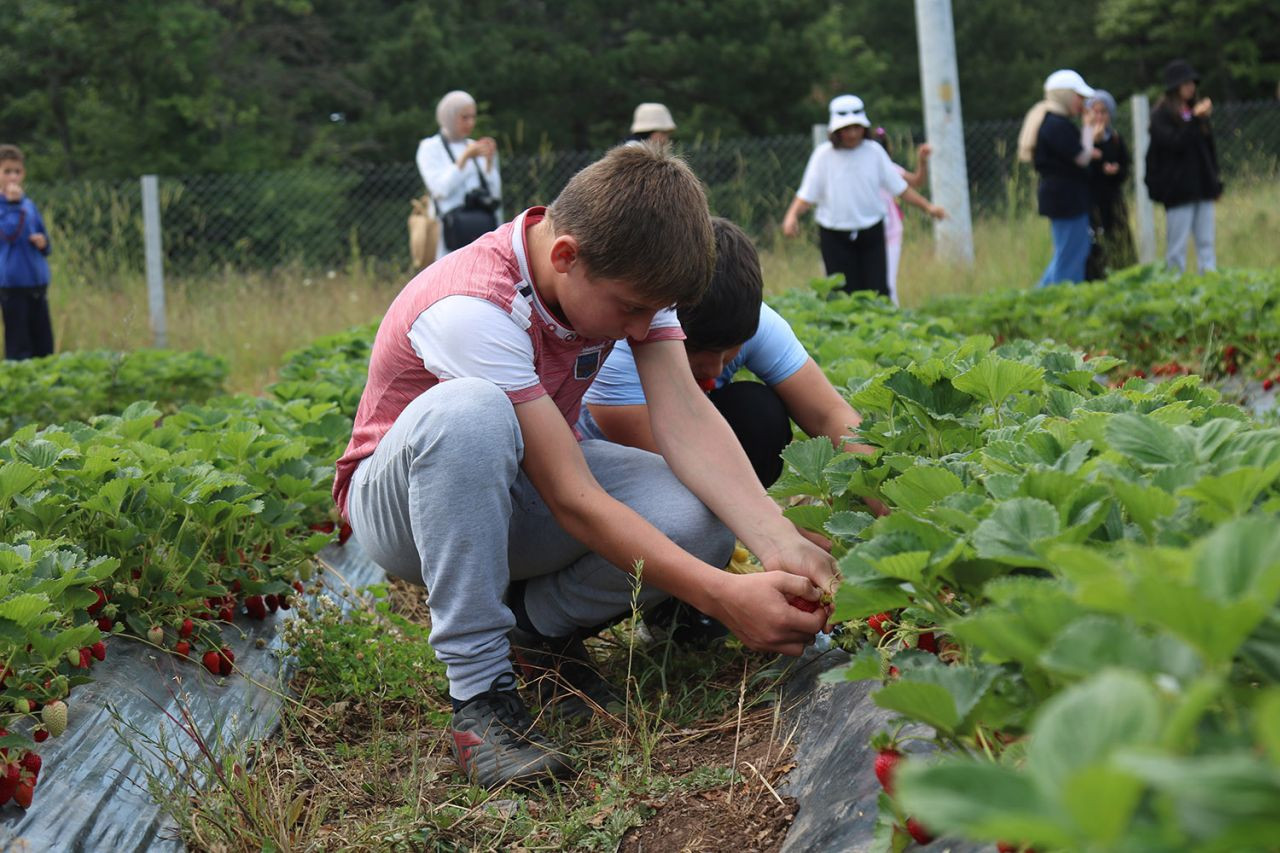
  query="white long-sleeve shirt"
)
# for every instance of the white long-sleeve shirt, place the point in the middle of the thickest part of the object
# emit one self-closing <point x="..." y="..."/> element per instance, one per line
<point x="447" y="183"/>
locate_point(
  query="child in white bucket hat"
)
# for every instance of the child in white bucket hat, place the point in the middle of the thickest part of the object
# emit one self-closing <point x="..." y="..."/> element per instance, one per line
<point x="843" y="180"/>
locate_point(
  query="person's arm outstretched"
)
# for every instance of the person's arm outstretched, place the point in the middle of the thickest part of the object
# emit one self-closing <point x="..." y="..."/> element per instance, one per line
<point x="914" y="198"/>
<point x="753" y="607"/>
<point x="917" y="179"/>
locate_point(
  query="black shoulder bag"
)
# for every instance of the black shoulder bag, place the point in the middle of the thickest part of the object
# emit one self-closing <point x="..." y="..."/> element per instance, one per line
<point x="476" y="216"/>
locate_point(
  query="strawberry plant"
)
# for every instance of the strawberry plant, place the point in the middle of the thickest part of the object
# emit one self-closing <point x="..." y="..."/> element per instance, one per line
<point x="1077" y="592"/>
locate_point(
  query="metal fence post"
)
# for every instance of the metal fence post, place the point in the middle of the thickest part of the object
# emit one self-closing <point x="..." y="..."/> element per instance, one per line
<point x="944" y="128"/>
<point x="155" y="259"/>
<point x="1143" y="209"/>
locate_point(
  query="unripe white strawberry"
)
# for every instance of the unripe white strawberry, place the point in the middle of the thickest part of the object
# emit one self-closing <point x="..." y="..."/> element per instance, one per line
<point x="156" y="635"/>
<point x="54" y="716"/>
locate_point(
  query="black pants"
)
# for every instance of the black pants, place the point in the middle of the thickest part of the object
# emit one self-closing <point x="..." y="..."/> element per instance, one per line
<point x="760" y="421"/>
<point x="28" y="332"/>
<point x="862" y="261"/>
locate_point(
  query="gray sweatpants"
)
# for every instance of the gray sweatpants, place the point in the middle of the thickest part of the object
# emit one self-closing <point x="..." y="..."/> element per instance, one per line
<point x="442" y="501"/>
<point x="1186" y="220"/>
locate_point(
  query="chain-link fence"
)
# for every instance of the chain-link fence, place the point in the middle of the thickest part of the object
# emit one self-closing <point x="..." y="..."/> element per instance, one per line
<point x="328" y="217"/>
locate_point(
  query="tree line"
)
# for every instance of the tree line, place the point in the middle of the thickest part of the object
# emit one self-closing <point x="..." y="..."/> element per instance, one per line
<point x="181" y="86"/>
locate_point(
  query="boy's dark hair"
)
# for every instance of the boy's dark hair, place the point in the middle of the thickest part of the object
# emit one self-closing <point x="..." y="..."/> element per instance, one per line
<point x="729" y="313"/>
<point x="10" y="152"/>
<point x="640" y="216"/>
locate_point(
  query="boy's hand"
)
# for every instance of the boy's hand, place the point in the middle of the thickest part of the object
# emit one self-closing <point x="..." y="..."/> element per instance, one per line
<point x="924" y="152"/>
<point x="790" y="225"/>
<point x="39" y="241"/>
<point x="756" y="609"/>
<point x="13" y="192"/>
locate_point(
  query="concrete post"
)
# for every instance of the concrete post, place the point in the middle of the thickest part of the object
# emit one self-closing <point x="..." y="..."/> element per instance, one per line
<point x="1144" y="211"/>
<point x="154" y="258"/>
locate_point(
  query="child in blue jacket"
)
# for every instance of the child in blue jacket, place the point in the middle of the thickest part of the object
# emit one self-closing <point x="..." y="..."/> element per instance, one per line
<point x="24" y="272"/>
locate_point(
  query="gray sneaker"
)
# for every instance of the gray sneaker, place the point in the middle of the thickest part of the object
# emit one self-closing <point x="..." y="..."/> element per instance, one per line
<point x="495" y="743"/>
<point x="562" y="676"/>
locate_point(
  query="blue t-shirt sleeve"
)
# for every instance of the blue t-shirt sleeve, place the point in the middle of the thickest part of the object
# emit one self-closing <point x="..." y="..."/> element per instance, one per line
<point x="773" y="353"/>
<point x="617" y="383"/>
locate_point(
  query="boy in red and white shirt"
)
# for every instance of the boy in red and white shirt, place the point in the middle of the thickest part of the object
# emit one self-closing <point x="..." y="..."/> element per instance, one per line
<point x="464" y="472"/>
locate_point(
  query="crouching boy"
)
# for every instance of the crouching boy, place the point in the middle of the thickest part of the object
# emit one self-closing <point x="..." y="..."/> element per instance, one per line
<point x="465" y="474"/>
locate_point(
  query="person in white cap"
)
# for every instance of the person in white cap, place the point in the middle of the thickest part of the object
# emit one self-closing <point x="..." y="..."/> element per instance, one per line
<point x="843" y="180"/>
<point x="1061" y="153"/>
<point x="651" y="123"/>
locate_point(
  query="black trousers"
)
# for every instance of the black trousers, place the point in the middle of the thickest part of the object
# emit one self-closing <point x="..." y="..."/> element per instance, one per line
<point x="861" y="260"/>
<point x="760" y="421"/>
<point x="28" y="332"/>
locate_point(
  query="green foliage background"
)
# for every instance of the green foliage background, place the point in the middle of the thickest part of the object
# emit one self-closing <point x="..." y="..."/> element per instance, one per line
<point x="180" y="86"/>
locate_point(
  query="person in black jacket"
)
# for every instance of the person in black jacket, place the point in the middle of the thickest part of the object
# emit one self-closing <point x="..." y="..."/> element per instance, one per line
<point x="1182" y="167"/>
<point x="1108" y="211"/>
<point x="1061" y="153"/>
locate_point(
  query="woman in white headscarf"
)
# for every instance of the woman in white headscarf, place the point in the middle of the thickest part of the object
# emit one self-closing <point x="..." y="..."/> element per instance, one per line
<point x="453" y="164"/>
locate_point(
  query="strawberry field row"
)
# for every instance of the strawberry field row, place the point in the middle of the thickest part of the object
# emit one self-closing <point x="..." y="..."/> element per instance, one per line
<point x="78" y="385"/>
<point x="1075" y="590"/>
<point x="1217" y="325"/>
<point x="163" y="526"/>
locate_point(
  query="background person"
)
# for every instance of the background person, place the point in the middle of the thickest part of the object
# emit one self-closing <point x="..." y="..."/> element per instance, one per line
<point x="465" y="430"/>
<point x="1061" y="153"/>
<point x="24" y="272"/>
<point x="651" y="123"/>
<point x="1182" y="167"/>
<point x="893" y="222"/>
<point x="453" y="165"/>
<point x="1108" y="175"/>
<point x="843" y="180"/>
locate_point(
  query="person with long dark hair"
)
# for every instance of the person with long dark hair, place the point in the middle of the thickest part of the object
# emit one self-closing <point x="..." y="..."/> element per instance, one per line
<point x="1182" y="167"/>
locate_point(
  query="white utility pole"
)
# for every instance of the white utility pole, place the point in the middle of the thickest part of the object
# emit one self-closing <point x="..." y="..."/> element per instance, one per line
<point x="940" y="86"/>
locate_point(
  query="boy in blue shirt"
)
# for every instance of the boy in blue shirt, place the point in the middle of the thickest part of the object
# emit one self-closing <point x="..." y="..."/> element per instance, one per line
<point x="24" y="272"/>
<point x="731" y="328"/>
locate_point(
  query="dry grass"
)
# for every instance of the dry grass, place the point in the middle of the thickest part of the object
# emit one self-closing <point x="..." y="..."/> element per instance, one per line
<point x="251" y="320"/>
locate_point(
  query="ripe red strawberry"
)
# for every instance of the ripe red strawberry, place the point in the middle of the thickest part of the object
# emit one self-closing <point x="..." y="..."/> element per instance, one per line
<point x="1267" y="383"/>
<point x="86" y="659"/>
<point x="99" y="650"/>
<point x="227" y="658"/>
<point x="886" y="760"/>
<point x="93" y="609"/>
<point x="40" y="735"/>
<point x="802" y="603"/>
<point x="323" y="527"/>
<point x="105" y="624"/>
<point x="255" y="607"/>
<point x="344" y="533"/>
<point x="212" y="661"/>
<point x="880" y="623"/>
<point x="285" y="602"/>
<point x="927" y="642"/>
<point x="893" y="672"/>
<point x="297" y="585"/>
<point x="272" y="601"/>
<point x="186" y="628"/>
<point x="182" y="647"/>
<point x="23" y="793"/>
<point x="32" y="762"/>
<point x="7" y="787"/>
<point x="226" y="614"/>
<point x="155" y="635"/>
<point x="918" y="832"/>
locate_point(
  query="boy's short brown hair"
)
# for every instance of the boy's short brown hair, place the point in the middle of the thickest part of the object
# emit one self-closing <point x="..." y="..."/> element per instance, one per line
<point x="640" y="216"/>
<point x="10" y="152"/>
